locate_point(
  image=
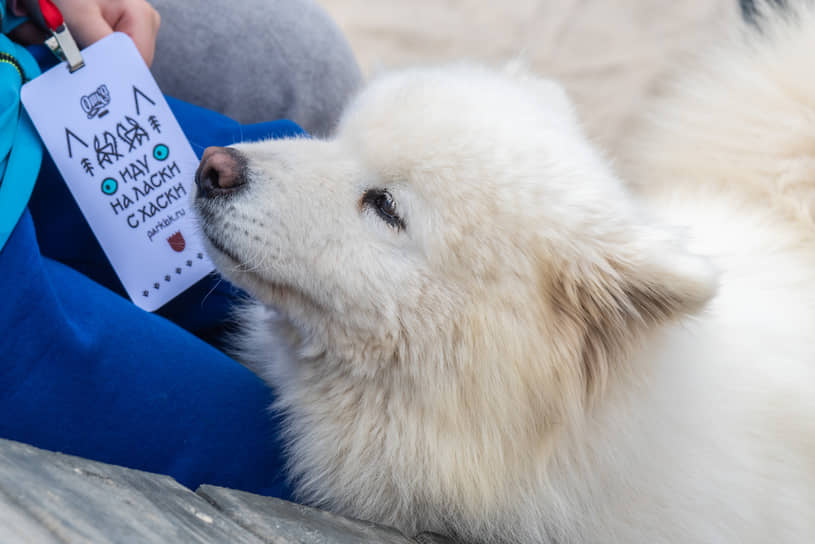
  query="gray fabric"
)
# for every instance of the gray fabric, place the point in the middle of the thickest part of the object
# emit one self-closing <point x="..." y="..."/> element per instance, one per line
<point x="256" y="60"/>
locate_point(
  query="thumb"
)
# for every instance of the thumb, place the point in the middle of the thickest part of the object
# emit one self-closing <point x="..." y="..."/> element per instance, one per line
<point x="88" y="26"/>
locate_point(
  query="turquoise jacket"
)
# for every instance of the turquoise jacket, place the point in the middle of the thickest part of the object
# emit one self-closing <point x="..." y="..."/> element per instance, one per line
<point x="20" y="147"/>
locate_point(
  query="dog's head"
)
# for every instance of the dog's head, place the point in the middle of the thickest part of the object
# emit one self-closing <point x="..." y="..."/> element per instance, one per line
<point x="458" y="222"/>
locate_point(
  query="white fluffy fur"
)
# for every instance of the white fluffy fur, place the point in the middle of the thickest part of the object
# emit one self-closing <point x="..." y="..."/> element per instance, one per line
<point x="534" y="357"/>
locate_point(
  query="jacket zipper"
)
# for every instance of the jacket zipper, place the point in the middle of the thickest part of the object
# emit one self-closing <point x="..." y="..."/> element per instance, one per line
<point x="9" y="59"/>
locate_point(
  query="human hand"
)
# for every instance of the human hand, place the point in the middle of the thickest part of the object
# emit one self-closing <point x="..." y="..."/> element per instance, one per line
<point x="92" y="20"/>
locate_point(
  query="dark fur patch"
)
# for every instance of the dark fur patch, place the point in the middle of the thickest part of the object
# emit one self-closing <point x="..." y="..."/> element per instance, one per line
<point x="608" y="309"/>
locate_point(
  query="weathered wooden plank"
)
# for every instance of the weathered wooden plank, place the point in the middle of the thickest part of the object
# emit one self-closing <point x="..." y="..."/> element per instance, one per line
<point x="50" y="497"/>
<point x="47" y="497"/>
<point x="17" y="526"/>
<point x="432" y="538"/>
<point x="279" y="522"/>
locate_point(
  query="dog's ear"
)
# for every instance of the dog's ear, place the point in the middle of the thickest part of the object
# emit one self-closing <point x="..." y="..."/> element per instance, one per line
<point x="660" y="280"/>
<point x="612" y="294"/>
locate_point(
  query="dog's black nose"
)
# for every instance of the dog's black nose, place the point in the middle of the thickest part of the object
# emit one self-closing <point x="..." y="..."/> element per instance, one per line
<point x="222" y="171"/>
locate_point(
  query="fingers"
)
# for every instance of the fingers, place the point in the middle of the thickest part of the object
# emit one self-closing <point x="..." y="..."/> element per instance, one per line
<point x="141" y="22"/>
<point x="92" y="20"/>
<point x="85" y="21"/>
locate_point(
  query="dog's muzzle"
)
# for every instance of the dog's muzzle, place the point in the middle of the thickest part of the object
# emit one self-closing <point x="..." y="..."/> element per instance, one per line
<point x="222" y="171"/>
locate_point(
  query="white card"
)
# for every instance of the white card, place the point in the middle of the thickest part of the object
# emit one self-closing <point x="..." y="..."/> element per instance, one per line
<point x="127" y="164"/>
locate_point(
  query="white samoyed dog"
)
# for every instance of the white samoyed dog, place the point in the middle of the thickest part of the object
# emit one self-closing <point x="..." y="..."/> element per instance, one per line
<point x="475" y="327"/>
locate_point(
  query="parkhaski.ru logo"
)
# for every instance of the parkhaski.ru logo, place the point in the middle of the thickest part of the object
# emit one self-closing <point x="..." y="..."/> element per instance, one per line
<point x="94" y="104"/>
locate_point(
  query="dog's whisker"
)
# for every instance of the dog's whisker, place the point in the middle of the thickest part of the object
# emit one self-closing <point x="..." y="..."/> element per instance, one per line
<point x="211" y="290"/>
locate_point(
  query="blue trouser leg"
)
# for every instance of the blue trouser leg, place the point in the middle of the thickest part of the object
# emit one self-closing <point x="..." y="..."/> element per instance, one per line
<point x="86" y="372"/>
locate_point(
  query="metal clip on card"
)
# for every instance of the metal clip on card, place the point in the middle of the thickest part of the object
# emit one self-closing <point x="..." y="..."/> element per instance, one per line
<point x="61" y="43"/>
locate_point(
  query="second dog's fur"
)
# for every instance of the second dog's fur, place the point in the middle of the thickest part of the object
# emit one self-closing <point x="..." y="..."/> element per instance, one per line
<point x="479" y="330"/>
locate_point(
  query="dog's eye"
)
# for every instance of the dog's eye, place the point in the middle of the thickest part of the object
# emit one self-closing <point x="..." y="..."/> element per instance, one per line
<point x="383" y="204"/>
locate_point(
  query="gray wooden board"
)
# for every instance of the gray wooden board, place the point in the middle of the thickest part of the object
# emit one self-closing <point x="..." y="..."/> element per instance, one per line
<point x="432" y="538"/>
<point x="50" y="497"/>
<point x="17" y="526"/>
<point x="281" y="522"/>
